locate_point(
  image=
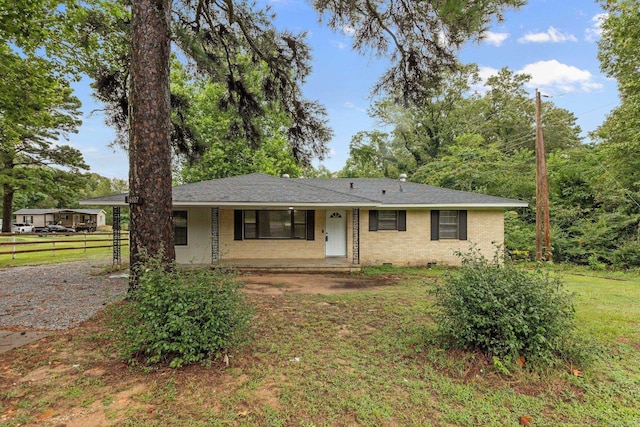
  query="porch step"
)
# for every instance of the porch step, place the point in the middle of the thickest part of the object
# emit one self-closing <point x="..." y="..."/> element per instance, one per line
<point x="291" y="265"/>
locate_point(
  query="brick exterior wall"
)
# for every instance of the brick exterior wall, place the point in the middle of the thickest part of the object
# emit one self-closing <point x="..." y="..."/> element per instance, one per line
<point x="243" y="249"/>
<point x="415" y="247"/>
<point x="411" y="247"/>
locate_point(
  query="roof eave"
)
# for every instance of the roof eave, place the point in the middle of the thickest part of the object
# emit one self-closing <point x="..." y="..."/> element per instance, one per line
<point x="185" y="204"/>
<point x="272" y="204"/>
<point x="454" y="205"/>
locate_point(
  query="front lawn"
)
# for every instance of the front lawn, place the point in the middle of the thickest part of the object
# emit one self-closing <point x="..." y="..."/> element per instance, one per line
<point x="365" y="357"/>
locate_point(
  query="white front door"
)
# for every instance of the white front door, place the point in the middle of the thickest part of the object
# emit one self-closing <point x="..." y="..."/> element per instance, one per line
<point x="336" y="233"/>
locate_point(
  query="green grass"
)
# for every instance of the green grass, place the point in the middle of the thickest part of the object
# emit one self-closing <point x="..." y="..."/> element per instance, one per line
<point x="367" y="357"/>
<point x="53" y="245"/>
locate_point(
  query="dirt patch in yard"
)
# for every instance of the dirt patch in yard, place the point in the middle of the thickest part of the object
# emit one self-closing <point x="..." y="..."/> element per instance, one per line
<point x="319" y="284"/>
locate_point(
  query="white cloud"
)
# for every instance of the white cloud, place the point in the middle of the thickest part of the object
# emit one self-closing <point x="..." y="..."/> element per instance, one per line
<point x="351" y="106"/>
<point x="338" y="44"/>
<point x="484" y="73"/>
<point x="550" y="36"/>
<point x="557" y="77"/>
<point x="594" y="33"/>
<point x="551" y="76"/>
<point x="495" y="39"/>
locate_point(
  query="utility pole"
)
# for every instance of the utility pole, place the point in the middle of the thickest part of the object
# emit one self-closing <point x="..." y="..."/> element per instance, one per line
<point x="542" y="190"/>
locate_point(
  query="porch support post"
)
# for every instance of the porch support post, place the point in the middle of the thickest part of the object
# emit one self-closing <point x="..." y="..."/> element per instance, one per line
<point x="355" y="219"/>
<point x="117" y="252"/>
<point x="215" y="235"/>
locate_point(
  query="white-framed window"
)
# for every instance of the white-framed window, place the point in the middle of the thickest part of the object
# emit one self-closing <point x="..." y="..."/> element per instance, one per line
<point x="180" y="222"/>
<point x="448" y="225"/>
<point x="387" y="220"/>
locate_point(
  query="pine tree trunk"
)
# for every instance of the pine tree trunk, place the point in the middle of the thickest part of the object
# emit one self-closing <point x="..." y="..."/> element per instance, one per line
<point x="149" y="140"/>
<point x="7" y="207"/>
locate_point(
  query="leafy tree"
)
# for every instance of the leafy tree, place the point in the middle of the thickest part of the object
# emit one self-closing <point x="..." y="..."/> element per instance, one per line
<point x="42" y="27"/>
<point x="617" y="53"/>
<point x="39" y="55"/>
<point x="473" y="165"/>
<point x="508" y="113"/>
<point x="620" y="134"/>
<point x="216" y="38"/>
<point x="470" y="141"/>
<point x="616" y="224"/>
<point x="227" y="155"/>
<point x="36" y="109"/>
<point x="503" y="118"/>
<point x="320" y="172"/>
<point x="370" y="157"/>
<point x="421" y="130"/>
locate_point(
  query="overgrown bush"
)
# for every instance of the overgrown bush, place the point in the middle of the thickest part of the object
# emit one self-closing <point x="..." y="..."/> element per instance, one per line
<point x="503" y="310"/>
<point x="183" y="316"/>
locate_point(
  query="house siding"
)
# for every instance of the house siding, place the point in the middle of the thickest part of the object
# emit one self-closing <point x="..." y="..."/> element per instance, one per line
<point x="39" y="220"/>
<point x="415" y="247"/>
<point x="198" y="247"/>
<point x="68" y="219"/>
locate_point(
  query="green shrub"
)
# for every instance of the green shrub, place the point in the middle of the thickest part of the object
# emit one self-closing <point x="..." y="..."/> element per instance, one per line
<point x="183" y="316"/>
<point x="627" y="256"/>
<point x="503" y="310"/>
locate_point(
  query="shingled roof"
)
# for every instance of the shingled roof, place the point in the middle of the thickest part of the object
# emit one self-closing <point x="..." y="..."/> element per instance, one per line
<point x="27" y="211"/>
<point x="265" y="190"/>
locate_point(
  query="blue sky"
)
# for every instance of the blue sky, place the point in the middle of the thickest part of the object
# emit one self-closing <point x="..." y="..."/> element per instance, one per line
<point x="553" y="41"/>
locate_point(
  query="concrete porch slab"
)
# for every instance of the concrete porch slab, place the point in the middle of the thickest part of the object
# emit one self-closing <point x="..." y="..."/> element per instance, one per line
<point x="298" y="265"/>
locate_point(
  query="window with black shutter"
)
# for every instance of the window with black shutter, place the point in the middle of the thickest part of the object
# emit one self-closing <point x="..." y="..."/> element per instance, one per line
<point x="274" y="224"/>
<point x="448" y="224"/>
<point x="387" y="220"/>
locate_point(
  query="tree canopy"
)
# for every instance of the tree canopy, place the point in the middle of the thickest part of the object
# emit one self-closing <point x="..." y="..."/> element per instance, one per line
<point x="37" y="108"/>
<point x="226" y="155"/>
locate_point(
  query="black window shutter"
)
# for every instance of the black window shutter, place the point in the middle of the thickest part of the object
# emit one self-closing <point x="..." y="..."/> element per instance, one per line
<point x="462" y="225"/>
<point x="373" y="220"/>
<point x="237" y="224"/>
<point x="402" y="220"/>
<point x="435" y="225"/>
<point x="311" y="224"/>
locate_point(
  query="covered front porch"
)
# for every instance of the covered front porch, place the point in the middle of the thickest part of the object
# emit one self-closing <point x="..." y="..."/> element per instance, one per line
<point x="213" y="237"/>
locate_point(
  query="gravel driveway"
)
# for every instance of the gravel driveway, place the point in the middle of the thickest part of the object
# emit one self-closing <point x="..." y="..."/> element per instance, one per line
<point x="56" y="296"/>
